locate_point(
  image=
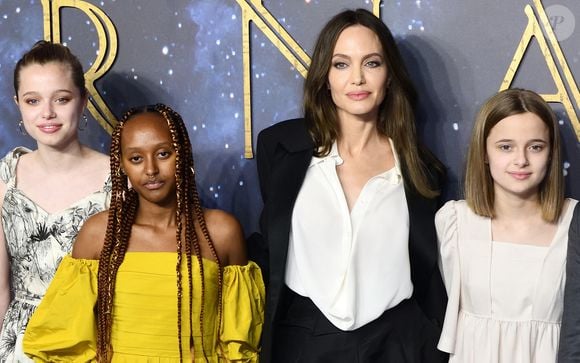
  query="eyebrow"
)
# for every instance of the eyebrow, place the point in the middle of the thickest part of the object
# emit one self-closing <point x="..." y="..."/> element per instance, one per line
<point x="157" y="146"/>
<point x="511" y="140"/>
<point x="57" y="91"/>
<point x="365" y="57"/>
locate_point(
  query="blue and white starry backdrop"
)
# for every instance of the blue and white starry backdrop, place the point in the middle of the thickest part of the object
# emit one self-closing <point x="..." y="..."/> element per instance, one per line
<point x="188" y="54"/>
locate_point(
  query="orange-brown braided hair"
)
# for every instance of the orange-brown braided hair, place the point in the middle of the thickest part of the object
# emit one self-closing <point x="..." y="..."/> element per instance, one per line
<point x="124" y="205"/>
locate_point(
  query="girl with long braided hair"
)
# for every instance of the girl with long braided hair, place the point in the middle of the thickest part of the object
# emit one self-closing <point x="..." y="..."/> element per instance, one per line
<point x="156" y="277"/>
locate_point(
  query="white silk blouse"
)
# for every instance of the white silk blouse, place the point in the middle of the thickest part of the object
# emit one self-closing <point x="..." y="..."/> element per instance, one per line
<point x="354" y="264"/>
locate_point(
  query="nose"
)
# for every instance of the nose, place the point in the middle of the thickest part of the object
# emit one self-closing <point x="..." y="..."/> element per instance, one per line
<point x="48" y="111"/>
<point x="151" y="168"/>
<point x="521" y="158"/>
<point x="358" y="77"/>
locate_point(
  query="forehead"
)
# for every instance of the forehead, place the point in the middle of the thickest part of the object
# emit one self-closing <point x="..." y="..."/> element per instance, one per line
<point x="143" y="127"/>
<point x="55" y="69"/>
<point x="45" y="76"/>
<point x="357" y="38"/>
<point x="520" y="126"/>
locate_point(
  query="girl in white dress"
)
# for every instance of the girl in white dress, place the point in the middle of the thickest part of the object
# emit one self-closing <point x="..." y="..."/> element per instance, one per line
<point x="503" y="248"/>
<point x="45" y="194"/>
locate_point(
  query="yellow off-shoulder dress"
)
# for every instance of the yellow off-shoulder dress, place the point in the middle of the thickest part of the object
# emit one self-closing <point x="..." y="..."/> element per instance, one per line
<point x="63" y="328"/>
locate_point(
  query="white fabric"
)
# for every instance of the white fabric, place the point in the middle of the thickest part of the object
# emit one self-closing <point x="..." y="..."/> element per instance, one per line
<point x="505" y="300"/>
<point x="355" y="265"/>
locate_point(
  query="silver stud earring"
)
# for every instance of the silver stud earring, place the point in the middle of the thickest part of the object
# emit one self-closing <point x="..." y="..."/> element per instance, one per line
<point x="85" y="123"/>
<point x="21" y="128"/>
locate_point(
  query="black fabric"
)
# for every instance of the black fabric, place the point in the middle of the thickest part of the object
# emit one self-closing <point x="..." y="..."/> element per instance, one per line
<point x="283" y="155"/>
<point x="569" y="349"/>
<point x="401" y="334"/>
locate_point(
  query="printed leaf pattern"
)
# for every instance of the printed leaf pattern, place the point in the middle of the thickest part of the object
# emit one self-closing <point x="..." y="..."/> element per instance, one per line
<point x="36" y="243"/>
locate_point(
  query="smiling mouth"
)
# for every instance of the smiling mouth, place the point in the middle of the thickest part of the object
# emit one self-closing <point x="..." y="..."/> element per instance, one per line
<point x="49" y="128"/>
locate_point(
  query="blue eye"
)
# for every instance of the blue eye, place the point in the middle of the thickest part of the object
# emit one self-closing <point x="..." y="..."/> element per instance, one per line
<point x="339" y="65"/>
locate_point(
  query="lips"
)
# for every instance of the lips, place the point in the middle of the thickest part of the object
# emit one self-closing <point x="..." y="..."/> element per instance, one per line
<point x="153" y="184"/>
<point x="520" y="175"/>
<point x="49" y="128"/>
<point x="359" y="95"/>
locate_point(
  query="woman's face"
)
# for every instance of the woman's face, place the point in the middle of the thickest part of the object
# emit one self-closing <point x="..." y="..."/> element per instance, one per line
<point x="358" y="74"/>
<point x="148" y="158"/>
<point x="518" y="153"/>
<point x="50" y="104"/>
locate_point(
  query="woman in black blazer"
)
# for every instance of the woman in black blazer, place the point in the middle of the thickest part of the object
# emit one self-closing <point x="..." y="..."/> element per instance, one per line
<point x="569" y="348"/>
<point x="349" y="202"/>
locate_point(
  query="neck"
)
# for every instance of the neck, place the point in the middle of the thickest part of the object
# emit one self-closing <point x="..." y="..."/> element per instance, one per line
<point x="58" y="160"/>
<point x="162" y="216"/>
<point x="356" y="136"/>
<point x="515" y="207"/>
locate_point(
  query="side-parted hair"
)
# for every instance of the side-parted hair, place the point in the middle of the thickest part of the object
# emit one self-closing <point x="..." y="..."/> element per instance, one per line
<point x="43" y="52"/>
<point x="479" y="186"/>
<point x="396" y="117"/>
<point x="124" y="206"/>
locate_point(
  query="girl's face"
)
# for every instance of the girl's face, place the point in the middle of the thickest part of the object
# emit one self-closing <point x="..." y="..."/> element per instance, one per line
<point x="518" y="153"/>
<point x="148" y="158"/>
<point x="50" y="104"/>
<point x="358" y="74"/>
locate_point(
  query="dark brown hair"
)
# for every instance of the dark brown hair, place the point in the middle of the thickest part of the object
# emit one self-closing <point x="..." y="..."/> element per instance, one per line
<point x="43" y="52"/>
<point x="396" y="117"/>
<point x="124" y="205"/>
<point x="479" y="192"/>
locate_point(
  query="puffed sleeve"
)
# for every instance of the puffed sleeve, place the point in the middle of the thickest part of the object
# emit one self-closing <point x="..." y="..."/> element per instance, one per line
<point x="243" y="313"/>
<point x="446" y="226"/>
<point x="63" y="327"/>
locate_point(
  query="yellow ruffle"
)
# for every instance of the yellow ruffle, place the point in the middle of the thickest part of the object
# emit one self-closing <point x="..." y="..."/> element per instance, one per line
<point x="63" y="328"/>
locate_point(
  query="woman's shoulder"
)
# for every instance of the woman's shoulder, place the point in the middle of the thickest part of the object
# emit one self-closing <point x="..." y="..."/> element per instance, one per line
<point x="91" y="237"/>
<point x="9" y="161"/>
<point x="283" y="127"/>
<point x="97" y="167"/>
<point x="227" y="236"/>
<point x="96" y="158"/>
<point x="456" y="207"/>
<point x="292" y="135"/>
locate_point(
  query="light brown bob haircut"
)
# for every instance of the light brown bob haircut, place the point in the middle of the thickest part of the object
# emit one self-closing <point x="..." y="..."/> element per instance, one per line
<point x="479" y="186"/>
<point x="396" y="117"/>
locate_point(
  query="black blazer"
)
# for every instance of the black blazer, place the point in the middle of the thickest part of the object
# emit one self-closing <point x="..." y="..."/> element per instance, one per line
<point x="569" y="349"/>
<point x="283" y="155"/>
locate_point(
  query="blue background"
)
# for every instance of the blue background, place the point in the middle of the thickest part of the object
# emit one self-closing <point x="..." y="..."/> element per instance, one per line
<point x="188" y="54"/>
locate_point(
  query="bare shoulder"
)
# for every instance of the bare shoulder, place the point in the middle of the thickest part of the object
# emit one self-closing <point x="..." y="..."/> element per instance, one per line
<point x="227" y="236"/>
<point x="97" y="160"/>
<point x="91" y="237"/>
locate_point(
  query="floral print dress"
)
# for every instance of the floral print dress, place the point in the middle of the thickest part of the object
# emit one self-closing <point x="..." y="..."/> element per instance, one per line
<point x="36" y="242"/>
